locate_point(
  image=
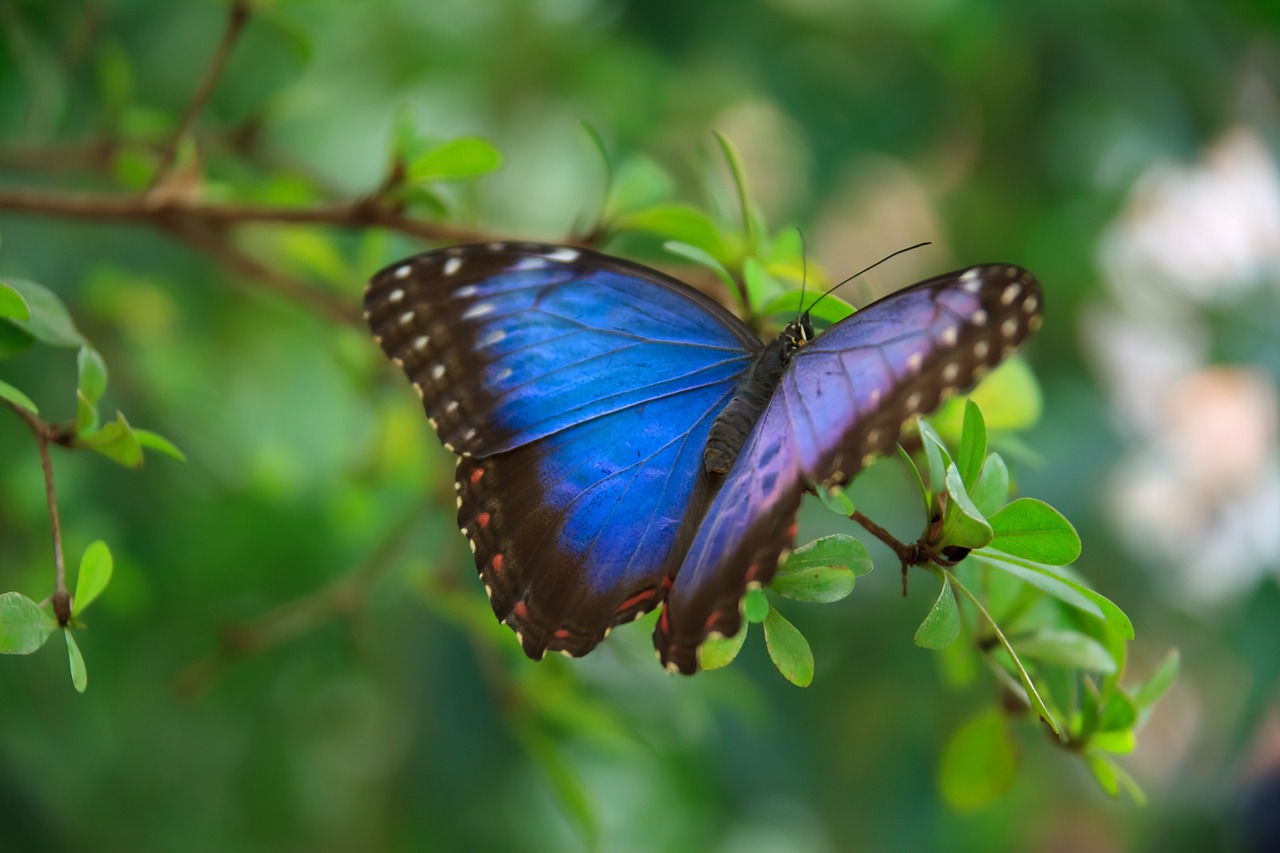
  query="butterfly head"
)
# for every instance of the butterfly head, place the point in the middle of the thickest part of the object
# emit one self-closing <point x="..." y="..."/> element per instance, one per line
<point x="797" y="334"/>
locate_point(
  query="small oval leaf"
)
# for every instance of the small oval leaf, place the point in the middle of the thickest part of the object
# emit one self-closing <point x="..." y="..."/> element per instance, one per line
<point x="755" y="605"/>
<point x="79" y="675"/>
<point x="465" y="157"/>
<point x="13" y="395"/>
<point x="788" y="649"/>
<point x="1032" y="529"/>
<point x="973" y="445"/>
<point x="24" y="625"/>
<point x="1067" y="648"/>
<point x="942" y="624"/>
<point x="719" y="651"/>
<point x="48" y="320"/>
<point x="92" y="371"/>
<point x="992" y="489"/>
<point x="824" y="570"/>
<point x="12" y="304"/>
<point x="95" y="574"/>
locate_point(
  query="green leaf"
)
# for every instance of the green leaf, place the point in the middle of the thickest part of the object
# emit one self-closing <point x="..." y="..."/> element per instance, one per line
<point x="95" y="574"/>
<point x="1064" y="589"/>
<point x="13" y="338"/>
<point x="936" y="455"/>
<point x="116" y="441"/>
<point x="992" y="489"/>
<point x="702" y="258"/>
<point x="1029" y="687"/>
<point x="1146" y="694"/>
<point x="86" y="415"/>
<point x="12" y="304"/>
<point x="49" y="321"/>
<point x="824" y="570"/>
<point x="1121" y="742"/>
<point x="92" y="370"/>
<point x="1066" y="648"/>
<point x="788" y="649"/>
<point x="1112" y="778"/>
<point x="973" y="445"/>
<point x="24" y="625"/>
<point x="718" y="651"/>
<point x="755" y="605"/>
<point x="465" y="157"/>
<point x="1032" y="529"/>
<point x="13" y="395"/>
<point x="942" y="624"/>
<point x="157" y="442"/>
<point x="836" y="500"/>
<point x="79" y="675"/>
<point x="1119" y="715"/>
<point x="740" y="184"/>
<point x="962" y="523"/>
<point x="678" y="222"/>
<point x="978" y="763"/>
<point x="915" y="472"/>
<point x="829" y="311"/>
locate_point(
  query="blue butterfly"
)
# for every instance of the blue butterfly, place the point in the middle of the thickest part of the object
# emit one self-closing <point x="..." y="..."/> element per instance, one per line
<point x="625" y="442"/>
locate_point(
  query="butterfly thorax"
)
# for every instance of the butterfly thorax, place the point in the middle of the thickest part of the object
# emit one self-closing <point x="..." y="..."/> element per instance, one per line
<point x="734" y="423"/>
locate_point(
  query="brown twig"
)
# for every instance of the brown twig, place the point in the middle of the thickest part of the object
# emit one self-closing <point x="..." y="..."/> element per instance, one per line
<point x="236" y="20"/>
<point x="45" y="433"/>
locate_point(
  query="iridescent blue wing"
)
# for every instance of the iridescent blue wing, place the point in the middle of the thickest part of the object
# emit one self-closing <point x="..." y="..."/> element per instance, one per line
<point x="842" y="400"/>
<point x="579" y="390"/>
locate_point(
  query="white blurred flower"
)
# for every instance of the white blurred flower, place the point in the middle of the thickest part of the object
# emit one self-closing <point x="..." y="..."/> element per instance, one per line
<point x="1201" y="491"/>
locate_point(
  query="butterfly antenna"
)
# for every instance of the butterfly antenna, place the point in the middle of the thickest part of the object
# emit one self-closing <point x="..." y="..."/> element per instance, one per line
<point x="804" y="271"/>
<point x="867" y="270"/>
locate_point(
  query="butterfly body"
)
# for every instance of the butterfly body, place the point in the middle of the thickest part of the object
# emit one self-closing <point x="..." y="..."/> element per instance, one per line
<point x="626" y="443"/>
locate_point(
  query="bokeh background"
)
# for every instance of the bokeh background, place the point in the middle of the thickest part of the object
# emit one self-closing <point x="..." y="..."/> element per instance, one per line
<point x="294" y="652"/>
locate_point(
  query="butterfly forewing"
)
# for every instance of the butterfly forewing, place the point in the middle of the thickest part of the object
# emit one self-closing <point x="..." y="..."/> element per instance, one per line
<point x="579" y="390"/>
<point x="843" y="399"/>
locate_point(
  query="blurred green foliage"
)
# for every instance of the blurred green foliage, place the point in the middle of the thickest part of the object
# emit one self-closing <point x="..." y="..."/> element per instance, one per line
<point x="293" y="650"/>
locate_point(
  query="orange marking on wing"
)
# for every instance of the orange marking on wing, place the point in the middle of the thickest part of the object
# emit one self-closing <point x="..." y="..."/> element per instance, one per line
<point x="476" y="475"/>
<point x="497" y="563"/>
<point x="631" y="602"/>
<point x="483" y="519"/>
<point x="520" y="610"/>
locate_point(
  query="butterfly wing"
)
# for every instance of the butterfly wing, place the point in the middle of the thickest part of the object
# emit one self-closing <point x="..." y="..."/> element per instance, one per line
<point x="842" y="400"/>
<point x="579" y="390"/>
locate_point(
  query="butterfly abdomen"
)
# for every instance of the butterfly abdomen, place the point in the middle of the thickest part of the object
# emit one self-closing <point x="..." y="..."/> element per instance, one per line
<point x="734" y="423"/>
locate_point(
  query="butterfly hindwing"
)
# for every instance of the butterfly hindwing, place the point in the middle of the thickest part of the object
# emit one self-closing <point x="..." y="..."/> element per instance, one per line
<point x="578" y="390"/>
<point x="842" y="400"/>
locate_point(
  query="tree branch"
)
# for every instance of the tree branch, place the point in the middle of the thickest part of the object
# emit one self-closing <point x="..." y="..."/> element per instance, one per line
<point x="238" y="17"/>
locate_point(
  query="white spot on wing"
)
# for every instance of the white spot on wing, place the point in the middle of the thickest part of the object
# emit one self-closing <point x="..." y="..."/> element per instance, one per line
<point x="437" y="372"/>
<point x="1030" y="304"/>
<point x="564" y="255"/>
<point x="1010" y="293"/>
<point x="395" y="295"/>
<point x="502" y="374"/>
<point x="403" y="272"/>
<point x="980" y="349"/>
<point x="420" y="342"/>
<point x="1009" y="327"/>
<point x="496" y="336"/>
<point x="949" y="335"/>
<point x="913" y="401"/>
<point x="950" y="372"/>
<point x="466" y="290"/>
<point x="971" y="281"/>
<point x="452" y="265"/>
<point x="478" y="310"/>
<point x="914" y="361"/>
<point x="979" y="318"/>
<point x="406" y="318"/>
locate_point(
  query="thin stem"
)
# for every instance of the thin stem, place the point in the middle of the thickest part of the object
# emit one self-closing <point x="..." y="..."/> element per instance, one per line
<point x="236" y="20"/>
<point x="1034" y="695"/>
<point x="43" y="433"/>
<point x="904" y="552"/>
